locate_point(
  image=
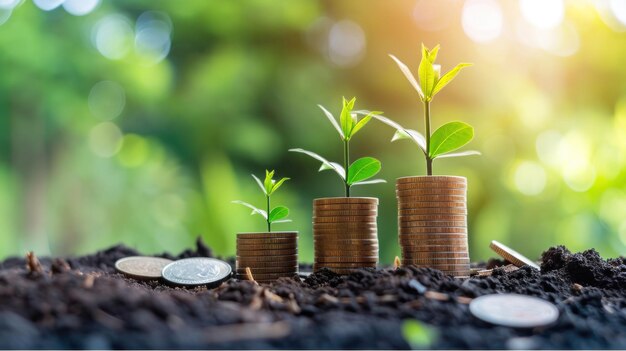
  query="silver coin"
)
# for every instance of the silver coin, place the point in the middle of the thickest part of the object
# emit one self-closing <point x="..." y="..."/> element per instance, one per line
<point x="197" y="271"/>
<point x="513" y="310"/>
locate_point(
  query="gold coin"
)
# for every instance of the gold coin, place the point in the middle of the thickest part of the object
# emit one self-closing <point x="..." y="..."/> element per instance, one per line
<point x="243" y="263"/>
<point x="446" y="224"/>
<point x="252" y="253"/>
<point x="431" y="191"/>
<point x="346" y="207"/>
<point x="441" y="267"/>
<point x="416" y="247"/>
<point x="430" y="178"/>
<point x="431" y="230"/>
<point x="343" y="213"/>
<point x="272" y="235"/>
<point x="437" y="261"/>
<point x="352" y="252"/>
<point x="432" y="217"/>
<point x="267" y="241"/>
<point x="413" y="202"/>
<point x="260" y="247"/>
<point x="427" y="255"/>
<point x="511" y="255"/>
<point x="342" y="259"/>
<point x="401" y="196"/>
<point x="345" y="219"/>
<point x="345" y="235"/>
<point x="345" y="265"/>
<point x="347" y="242"/>
<point x="285" y="258"/>
<point x="415" y="186"/>
<point x="410" y="211"/>
<point x="339" y="270"/>
<point x="271" y="270"/>
<point x="416" y="237"/>
<point x="345" y="200"/>
<point x="142" y="267"/>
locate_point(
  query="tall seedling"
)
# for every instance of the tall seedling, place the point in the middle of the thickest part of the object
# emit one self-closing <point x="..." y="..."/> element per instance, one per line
<point x="271" y="215"/>
<point x="360" y="170"/>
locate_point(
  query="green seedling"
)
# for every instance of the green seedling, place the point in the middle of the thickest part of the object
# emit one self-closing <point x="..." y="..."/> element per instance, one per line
<point x="277" y="214"/>
<point x="450" y="136"/>
<point x="417" y="334"/>
<point x="360" y="170"/>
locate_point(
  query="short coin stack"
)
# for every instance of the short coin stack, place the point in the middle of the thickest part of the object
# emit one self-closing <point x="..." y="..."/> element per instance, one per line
<point x="268" y="255"/>
<point x="345" y="233"/>
<point x="432" y="223"/>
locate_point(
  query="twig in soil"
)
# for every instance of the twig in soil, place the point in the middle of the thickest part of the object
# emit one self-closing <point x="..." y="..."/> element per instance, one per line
<point x="32" y="263"/>
<point x="325" y="298"/>
<point x="59" y="265"/>
<point x="434" y="295"/>
<point x="397" y="263"/>
<point x="292" y="305"/>
<point x="250" y="276"/>
<point x="464" y="300"/>
<point x="248" y="331"/>
<point x="89" y="280"/>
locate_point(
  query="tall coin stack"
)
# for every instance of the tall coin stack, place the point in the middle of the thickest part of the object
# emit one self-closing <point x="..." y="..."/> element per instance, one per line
<point x="432" y="223"/>
<point x="268" y="255"/>
<point x="345" y="233"/>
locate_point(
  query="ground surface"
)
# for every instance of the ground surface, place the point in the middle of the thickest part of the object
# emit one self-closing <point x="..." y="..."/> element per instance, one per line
<point x="82" y="303"/>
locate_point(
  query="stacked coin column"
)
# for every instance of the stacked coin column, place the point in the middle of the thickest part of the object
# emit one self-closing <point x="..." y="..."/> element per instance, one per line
<point x="268" y="255"/>
<point x="432" y="223"/>
<point x="345" y="233"/>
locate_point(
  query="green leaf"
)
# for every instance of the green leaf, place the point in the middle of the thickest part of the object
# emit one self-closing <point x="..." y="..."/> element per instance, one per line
<point x="448" y="77"/>
<point x="332" y="120"/>
<point x="258" y="181"/>
<point x="432" y="54"/>
<point x="373" y="181"/>
<point x="417" y="334"/>
<point x="362" y="169"/>
<point x="409" y="76"/>
<point x="449" y="137"/>
<point x="269" y="184"/>
<point x="254" y="209"/>
<point x="460" y="154"/>
<point x="278" y="213"/>
<point x="347" y="123"/>
<point x="325" y="163"/>
<point x="278" y="184"/>
<point x="426" y="74"/>
<point x="360" y="124"/>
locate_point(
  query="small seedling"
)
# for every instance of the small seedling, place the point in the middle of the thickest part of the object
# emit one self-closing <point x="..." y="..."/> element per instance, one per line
<point x="277" y="214"/>
<point x="450" y="136"/>
<point x="417" y="334"/>
<point x="360" y="170"/>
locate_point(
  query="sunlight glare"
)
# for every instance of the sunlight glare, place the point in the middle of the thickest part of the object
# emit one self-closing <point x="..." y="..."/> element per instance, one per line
<point x="482" y="20"/>
<point x="530" y="178"/>
<point x="346" y="43"/>
<point x="543" y="14"/>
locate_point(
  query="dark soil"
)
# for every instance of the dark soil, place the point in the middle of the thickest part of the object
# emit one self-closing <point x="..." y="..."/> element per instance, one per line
<point x="83" y="303"/>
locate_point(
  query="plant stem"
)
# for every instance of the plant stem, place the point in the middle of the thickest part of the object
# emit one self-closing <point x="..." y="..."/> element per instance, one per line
<point x="429" y="161"/>
<point x="346" y="164"/>
<point x="269" y="224"/>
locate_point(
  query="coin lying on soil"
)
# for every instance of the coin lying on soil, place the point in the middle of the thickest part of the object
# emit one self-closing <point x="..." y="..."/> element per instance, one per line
<point x="197" y="271"/>
<point x="511" y="255"/>
<point x="142" y="267"/>
<point x="513" y="310"/>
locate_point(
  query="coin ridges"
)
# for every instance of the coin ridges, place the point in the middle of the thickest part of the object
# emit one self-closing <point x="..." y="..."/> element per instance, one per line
<point x="511" y="255"/>
<point x="345" y="200"/>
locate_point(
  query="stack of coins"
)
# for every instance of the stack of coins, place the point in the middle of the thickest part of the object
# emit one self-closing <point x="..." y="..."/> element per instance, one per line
<point x="345" y="233"/>
<point x="432" y="223"/>
<point x="268" y="255"/>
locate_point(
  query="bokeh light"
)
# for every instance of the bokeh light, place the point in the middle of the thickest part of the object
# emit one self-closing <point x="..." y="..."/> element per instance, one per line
<point x="346" y="43"/>
<point x="80" y="7"/>
<point x="482" y="20"/>
<point x="113" y="36"/>
<point x="543" y="14"/>
<point x="105" y="139"/>
<point x="48" y="5"/>
<point x="107" y="100"/>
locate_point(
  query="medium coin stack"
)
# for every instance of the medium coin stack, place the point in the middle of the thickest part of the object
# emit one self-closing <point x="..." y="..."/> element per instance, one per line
<point x="432" y="223"/>
<point x="268" y="255"/>
<point x="345" y="233"/>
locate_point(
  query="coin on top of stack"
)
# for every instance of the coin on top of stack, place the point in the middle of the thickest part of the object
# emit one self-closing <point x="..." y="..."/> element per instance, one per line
<point x="432" y="223"/>
<point x="345" y="233"/>
<point x="268" y="255"/>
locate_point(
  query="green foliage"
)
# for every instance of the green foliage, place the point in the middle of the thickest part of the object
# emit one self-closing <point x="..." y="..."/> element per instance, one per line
<point x="448" y="137"/>
<point x="362" y="169"/>
<point x="417" y="334"/>
<point x="269" y="186"/>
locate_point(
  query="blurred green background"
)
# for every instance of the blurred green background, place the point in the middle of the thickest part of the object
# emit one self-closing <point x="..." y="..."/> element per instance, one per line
<point x="140" y="121"/>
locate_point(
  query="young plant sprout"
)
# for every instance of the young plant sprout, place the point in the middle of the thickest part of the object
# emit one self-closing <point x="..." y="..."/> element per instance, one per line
<point x="360" y="170"/>
<point x="450" y="136"/>
<point x="279" y="213"/>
